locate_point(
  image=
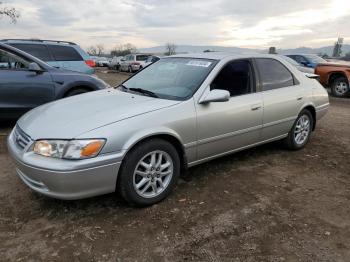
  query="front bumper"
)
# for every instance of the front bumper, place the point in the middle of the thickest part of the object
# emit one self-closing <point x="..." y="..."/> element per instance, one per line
<point x="65" y="179"/>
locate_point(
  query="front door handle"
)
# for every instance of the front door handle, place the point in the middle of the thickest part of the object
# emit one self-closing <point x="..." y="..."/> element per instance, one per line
<point x="255" y="107"/>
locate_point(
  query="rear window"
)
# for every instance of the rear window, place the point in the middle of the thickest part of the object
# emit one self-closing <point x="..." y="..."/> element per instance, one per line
<point x="273" y="74"/>
<point x="141" y="57"/>
<point x="39" y="51"/>
<point x="64" y="53"/>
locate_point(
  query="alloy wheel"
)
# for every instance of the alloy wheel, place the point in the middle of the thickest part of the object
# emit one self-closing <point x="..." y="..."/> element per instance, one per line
<point x="153" y="174"/>
<point x="302" y="130"/>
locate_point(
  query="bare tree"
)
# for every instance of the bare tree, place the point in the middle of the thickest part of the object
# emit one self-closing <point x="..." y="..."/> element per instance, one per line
<point x="170" y="49"/>
<point x="337" y="50"/>
<point x="100" y="49"/>
<point x="9" y="12"/>
<point x="91" y="50"/>
<point x="97" y="50"/>
<point x="123" y="50"/>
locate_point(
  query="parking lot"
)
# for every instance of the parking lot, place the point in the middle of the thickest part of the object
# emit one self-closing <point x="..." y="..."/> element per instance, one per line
<point x="262" y="204"/>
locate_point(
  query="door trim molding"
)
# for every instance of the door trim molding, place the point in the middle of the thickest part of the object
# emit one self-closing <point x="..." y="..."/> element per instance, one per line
<point x="227" y="135"/>
<point x="197" y="162"/>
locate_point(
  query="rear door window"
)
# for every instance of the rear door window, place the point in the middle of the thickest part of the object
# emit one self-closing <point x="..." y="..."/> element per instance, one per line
<point x="141" y="57"/>
<point x="37" y="50"/>
<point x="273" y="74"/>
<point x="64" y="53"/>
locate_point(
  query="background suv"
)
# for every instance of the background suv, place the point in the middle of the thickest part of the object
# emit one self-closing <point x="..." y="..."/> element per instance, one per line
<point x="58" y="54"/>
<point x="134" y="62"/>
<point x="27" y="82"/>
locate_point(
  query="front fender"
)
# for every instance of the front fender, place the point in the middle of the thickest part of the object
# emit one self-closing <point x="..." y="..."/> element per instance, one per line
<point x="61" y="90"/>
<point x="148" y="133"/>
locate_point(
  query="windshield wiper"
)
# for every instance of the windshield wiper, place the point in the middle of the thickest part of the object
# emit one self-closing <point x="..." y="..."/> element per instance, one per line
<point x="143" y="91"/>
<point x="123" y="87"/>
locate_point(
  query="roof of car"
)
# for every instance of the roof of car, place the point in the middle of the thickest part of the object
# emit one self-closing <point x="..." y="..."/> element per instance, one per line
<point x="36" y="41"/>
<point x="224" y="55"/>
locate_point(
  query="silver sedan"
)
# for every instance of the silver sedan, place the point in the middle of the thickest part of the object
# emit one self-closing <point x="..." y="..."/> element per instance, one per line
<point x="178" y="112"/>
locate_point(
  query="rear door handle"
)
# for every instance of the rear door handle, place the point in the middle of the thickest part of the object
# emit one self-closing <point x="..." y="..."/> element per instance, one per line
<point x="299" y="98"/>
<point x="255" y="107"/>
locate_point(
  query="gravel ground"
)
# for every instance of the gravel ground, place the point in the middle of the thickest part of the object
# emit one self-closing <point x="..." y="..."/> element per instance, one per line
<point x="262" y="204"/>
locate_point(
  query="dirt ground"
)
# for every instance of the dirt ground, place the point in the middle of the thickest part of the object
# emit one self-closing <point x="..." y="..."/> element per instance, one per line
<point x="262" y="204"/>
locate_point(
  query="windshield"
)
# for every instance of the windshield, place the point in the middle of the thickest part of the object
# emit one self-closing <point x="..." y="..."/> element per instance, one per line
<point x="172" y="78"/>
<point x="315" y="59"/>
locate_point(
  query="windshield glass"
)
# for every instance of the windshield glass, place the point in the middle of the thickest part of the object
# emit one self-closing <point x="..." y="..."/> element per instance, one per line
<point x="315" y="59"/>
<point x="172" y="78"/>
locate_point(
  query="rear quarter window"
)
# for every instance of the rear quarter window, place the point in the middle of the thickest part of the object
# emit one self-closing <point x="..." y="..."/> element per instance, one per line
<point x="64" y="53"/>
<point x="273" y="74"/>
<point x="37" y="50"/>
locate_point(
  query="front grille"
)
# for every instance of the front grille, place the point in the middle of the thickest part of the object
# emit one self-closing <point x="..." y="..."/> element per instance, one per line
<point x="21" y="138"/>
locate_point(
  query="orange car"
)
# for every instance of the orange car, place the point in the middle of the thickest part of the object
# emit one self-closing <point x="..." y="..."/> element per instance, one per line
<point x="335" y="76"/>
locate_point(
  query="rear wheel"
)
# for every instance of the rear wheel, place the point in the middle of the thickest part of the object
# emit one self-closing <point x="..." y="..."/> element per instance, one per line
<point x="340" y="87"/>
<point x="300" y="133"/>
<point x="77" y="91"/>
<point x="149" y="172"/>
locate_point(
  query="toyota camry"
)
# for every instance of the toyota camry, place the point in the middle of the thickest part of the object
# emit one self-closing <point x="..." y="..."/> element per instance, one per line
<point x="177" y="113"/>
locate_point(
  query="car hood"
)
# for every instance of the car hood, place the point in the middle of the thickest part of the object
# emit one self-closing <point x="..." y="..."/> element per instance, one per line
<point x="73" y="116"/>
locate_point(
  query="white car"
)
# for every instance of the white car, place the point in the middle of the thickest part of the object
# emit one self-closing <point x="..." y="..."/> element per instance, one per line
<point x="133" y="62"/>
<point x="115" y="63"/>
<point x="151" y="59"/>
<point x="102" y="61"/>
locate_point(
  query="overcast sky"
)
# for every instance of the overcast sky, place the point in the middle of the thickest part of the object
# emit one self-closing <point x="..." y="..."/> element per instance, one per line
<point x="146" y="23"/>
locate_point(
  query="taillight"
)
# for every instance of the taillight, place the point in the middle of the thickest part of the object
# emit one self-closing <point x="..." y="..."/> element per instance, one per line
<point x="90" y="63"/>
<point x="135" y="63"/>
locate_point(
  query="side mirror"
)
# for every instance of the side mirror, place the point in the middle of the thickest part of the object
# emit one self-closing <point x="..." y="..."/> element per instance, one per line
<point x="216" y="95"/>
<point x="123" y="59"/>
<point x="34" y="67"/>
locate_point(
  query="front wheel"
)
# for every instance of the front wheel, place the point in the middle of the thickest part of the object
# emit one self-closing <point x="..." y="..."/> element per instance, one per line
<point x="149" y="172"/>
<point x="340" y="87"/>
<point x="300" y="133"/>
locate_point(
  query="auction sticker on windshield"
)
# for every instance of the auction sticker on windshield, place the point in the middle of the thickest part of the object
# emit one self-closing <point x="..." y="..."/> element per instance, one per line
<point x="199" y="63"/>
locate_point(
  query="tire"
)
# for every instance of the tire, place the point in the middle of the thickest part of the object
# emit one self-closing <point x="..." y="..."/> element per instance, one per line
<point x="292" y="141"/>
<point x="77" y="91"/>
<point x="340" y="87"/>
<point x="135" y="175"/>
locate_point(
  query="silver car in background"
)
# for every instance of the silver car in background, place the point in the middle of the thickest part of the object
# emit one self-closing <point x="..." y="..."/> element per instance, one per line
<point x="133" y="62"/>
<point x="178" y="112"/>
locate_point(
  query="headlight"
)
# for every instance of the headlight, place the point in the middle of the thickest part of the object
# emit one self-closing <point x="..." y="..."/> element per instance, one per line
<point x="69" y="149"/>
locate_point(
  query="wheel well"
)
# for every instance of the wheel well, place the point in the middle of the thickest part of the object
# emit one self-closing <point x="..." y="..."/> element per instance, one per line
<point x="312" y="110"/>
<point x="175" y="142"/>
<point x="87" y="88"/>
<point x="334" y="76"/>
